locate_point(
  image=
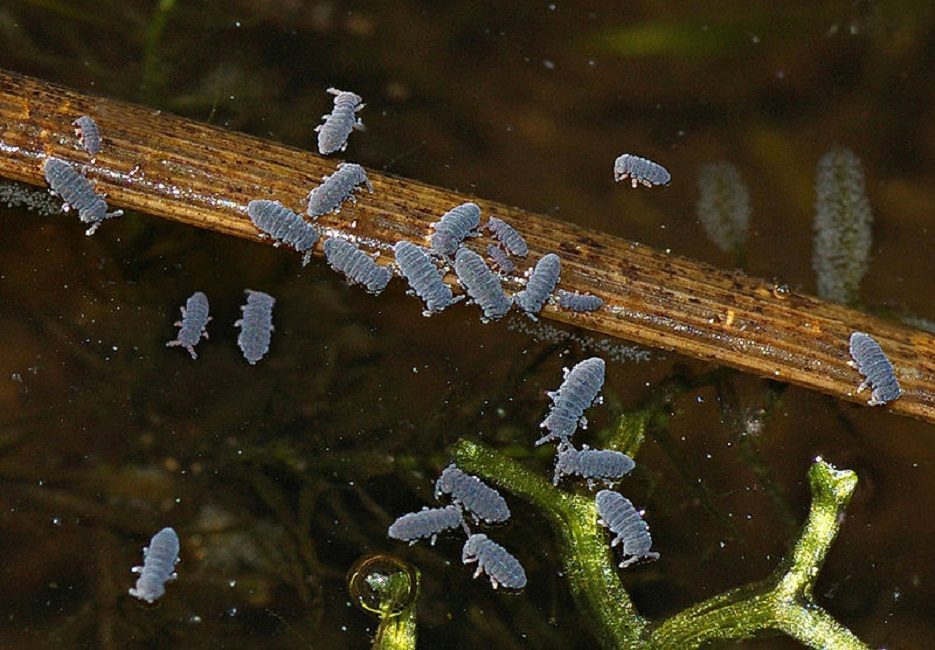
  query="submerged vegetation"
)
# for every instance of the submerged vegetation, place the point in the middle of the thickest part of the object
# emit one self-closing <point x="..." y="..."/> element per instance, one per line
<point x="783" y="603"/>
<point x="388" y="587"/>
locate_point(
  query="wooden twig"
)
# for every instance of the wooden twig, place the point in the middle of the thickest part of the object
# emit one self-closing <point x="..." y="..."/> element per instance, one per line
<point x="204" y="176"/>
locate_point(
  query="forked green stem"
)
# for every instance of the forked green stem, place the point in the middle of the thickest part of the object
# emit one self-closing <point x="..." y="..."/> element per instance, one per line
<point x="589" y="565"/>
<point x="783" y="603"/>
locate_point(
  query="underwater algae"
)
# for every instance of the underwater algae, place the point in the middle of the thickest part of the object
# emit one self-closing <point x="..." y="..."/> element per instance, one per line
<point x="388" y="587"/>
<point x="781" y="603"/>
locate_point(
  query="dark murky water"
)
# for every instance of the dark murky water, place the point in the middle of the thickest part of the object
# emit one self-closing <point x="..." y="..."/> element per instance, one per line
<point x="279" y="477"/>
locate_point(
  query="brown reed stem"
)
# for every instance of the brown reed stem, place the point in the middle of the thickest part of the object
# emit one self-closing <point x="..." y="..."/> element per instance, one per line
<point x="204" y="176"/>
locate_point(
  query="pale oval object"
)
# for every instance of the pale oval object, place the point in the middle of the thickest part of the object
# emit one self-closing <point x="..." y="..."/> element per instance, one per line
<point x="78" y="193"/>
<point x="478" y="498"/>
<point x="500" y="258"/>
<point x="256" y="325"/>
<point x="578" y="391"/>
<point x="875" y="366"/>
<point x="337" y="188"/>
<point x="592" y="464"/>
<point x="481" y="284"/>
<point x="508" y="236"/>
<point x="423" y="276"/>
<point x="159" y="560"/>
<point x="88" y="134"/>
<point x="541" y="284"/>
<point x="723" y="205"/>
<point x="453" y="227"/>
<point x="284" y="226"/>
<point x="195" y="319"/>
<point x="843" y="226"/>
<point x="580" y="302"/>
<point x="617" y="514"/>
<point x="356" y="265"/>
<point x="426" y="524"/>
<point x="640" y="170"/>
<point x="337" y="125"/>
<point x="503" y="569"/>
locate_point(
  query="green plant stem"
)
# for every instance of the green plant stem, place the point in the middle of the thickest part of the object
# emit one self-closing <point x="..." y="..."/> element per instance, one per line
<point x="589" y="565"/>
<point x="784" y="602"/>
<point x="151" y="74"/>
<point x="630" y="432"/>
<point x="398" y="632"/>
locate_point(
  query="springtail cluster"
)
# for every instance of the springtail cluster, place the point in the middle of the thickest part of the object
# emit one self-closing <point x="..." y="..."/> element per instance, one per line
<point x="469" y="496"/>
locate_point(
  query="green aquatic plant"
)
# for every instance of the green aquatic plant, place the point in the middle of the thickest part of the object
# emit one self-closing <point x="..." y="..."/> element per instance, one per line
<point x="388" y="587"/>
<point x="782" y="603"/>
<point x="669" y="38"/>
<point x="152" y="75"/>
